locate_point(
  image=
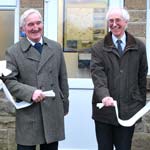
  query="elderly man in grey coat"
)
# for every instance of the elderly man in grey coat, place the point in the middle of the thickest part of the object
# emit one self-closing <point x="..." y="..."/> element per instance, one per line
<point x="34" y="70"/>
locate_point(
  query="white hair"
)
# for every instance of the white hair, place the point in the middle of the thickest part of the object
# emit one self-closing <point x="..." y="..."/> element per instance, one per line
<point x="26" y="14"/>
<point x="123" y="12"/>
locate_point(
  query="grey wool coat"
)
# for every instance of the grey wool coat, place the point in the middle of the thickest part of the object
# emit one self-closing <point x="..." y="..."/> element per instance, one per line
<point x="41" y="122"/>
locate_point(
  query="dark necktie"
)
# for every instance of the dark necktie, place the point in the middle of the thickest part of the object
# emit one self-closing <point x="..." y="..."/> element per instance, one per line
<point x="120" y="51"/>
<point x="38" y="46"/>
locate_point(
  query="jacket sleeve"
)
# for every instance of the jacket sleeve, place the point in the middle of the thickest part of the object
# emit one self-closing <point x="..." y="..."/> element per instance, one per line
<point x="19" y="90"/>
<point x="143" y="69"/>
<point x="98" y="73"/>
<point x="63" y="84"/>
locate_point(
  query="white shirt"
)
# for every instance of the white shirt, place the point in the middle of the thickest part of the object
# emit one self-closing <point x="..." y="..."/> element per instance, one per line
<point x="33" y="43"/>
<point x="123" y="39"/>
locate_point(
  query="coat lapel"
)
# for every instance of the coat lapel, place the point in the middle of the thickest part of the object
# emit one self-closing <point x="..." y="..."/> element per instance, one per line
<point x="47" y="53"/>
<point x="32" y="53"/>
<point x="29" y="51"/>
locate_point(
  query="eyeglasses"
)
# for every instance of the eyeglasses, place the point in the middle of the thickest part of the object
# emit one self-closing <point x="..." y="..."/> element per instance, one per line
<point x="116" y="20"/>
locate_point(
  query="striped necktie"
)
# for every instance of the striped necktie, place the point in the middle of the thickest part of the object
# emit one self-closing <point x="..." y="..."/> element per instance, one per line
<point x="120" y="51"/>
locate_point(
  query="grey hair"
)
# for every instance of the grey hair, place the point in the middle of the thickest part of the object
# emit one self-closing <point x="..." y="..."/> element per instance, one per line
<point x="124" y="13"/>
<point x="26" y="14"/>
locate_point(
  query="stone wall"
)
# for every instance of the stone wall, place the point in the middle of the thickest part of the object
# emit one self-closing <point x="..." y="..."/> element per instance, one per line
<point x="26" y="4"/>
<point x="141" y="138"/>
<point x="137" y="11"/>
<point x="7" y="124"/>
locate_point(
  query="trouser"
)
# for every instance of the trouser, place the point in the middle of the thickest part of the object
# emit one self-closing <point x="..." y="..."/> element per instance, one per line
<point x="51" y="146"/>
<point x="109" y="136"/>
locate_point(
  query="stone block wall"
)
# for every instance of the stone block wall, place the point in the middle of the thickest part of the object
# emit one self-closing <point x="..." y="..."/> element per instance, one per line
<point x="26" y="4"/>
<point x="31" y="4"/>
<point x="137" y="11"/>
<point x="141" y="138"/>
<point x="7" y="124"/>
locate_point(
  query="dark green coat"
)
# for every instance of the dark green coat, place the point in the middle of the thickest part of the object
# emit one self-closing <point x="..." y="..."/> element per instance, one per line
<point x="123" y="78"/>
<point x="41" y="122"/>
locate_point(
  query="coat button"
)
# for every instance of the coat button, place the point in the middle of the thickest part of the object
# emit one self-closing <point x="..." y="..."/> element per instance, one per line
<point x="121" y="71"/>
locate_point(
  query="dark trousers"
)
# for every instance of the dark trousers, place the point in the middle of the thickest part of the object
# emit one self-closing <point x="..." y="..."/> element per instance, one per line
<point x="109" y="136"/>
<point x="51" y="146"/>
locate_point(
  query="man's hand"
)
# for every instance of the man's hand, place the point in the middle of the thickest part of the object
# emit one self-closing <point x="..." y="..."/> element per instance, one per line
<point x="108" y="101"/>
<point x="38" y="96"/>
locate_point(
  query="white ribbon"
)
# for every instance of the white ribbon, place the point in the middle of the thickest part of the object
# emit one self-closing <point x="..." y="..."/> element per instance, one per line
<point x="22" y="104"/>
<point x="4" y="71"/>
<point x="133" y="119"/>
<point x="18" y="105"/>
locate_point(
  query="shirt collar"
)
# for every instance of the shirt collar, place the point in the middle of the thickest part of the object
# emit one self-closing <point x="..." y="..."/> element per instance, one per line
<point x="33" y="43"/>
<point x="123" y="38"/>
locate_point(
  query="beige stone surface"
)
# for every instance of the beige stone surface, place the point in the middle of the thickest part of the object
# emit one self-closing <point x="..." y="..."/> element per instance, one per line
<point x="135" y="4"/>
<point x="32" y="3"/>
<point x="141" y="141"/>
<point x="137" y="29"/>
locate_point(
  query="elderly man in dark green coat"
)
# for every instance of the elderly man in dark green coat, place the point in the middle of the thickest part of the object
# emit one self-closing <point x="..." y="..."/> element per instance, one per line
<point x="33" y="72"/>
